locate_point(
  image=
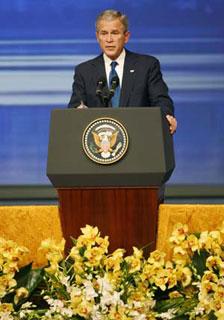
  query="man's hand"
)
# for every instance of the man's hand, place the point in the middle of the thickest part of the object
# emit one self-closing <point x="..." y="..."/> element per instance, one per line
<point x="82" y="106"/>
<point x="173" y="123"/>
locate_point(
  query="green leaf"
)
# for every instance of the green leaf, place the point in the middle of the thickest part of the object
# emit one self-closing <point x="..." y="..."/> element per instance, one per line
<point x="187" y="306"/>
<point x="22" y="275"/>
<point x="199" y="261"/>
<point x="164" y="305"/>
<point x="181" y="305"/>
<point x="212" y="316"/>
<point x="34" y="279"/>
<point x="82" y="251"/>
<point x="29" y="278"/>
<point x="74" y="241"/>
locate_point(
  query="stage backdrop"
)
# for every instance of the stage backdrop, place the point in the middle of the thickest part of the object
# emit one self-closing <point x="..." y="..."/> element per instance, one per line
<point x="41" y="42"/>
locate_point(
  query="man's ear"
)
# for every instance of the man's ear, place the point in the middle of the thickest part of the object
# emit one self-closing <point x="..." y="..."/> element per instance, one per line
<point x="97" y="36"/>
<point x="127" y="36"/>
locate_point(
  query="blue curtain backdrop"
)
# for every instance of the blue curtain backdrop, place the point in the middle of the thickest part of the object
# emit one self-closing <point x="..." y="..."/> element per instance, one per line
<point x="42" y="40"/>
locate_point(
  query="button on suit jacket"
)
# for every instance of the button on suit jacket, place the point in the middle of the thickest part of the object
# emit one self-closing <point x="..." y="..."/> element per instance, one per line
<point x="142" y="83"/>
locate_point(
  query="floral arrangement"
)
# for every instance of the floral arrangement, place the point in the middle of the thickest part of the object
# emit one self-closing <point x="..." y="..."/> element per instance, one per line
<point x="91" y="284"/>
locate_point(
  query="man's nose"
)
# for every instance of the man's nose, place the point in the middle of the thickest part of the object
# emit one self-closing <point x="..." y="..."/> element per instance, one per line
<point x="109" y="37"/>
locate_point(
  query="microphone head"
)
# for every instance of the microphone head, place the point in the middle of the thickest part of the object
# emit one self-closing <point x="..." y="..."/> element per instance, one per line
<point x="100" y="85"/>
<point x="114" y="82"/>
<point x="101" y="82"/>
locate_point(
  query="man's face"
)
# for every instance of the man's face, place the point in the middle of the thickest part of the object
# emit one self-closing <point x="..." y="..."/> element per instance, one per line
<point x="111" y="37"/>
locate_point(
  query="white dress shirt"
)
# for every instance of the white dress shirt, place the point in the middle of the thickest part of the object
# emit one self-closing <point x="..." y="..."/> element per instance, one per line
<point x="119" y="68"/>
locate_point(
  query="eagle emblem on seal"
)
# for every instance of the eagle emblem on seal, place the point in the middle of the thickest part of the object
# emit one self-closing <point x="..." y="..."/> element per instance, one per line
<point x="105" y="141"/>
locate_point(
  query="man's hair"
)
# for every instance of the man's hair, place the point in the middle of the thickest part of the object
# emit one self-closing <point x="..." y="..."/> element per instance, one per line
<point x="110" y="15"/>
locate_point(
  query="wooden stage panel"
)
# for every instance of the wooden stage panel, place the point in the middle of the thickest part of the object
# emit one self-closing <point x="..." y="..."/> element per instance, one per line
<point x="127" y="215"/>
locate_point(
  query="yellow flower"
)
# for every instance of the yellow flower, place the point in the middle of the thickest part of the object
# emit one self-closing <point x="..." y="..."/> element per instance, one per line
<point x="79" y="304"/>
<point x="10" y="267"/>
<point x="220" y="314"/>
<point x="209" y="276"/>
<point x="118" y="313"/>
<point x="103" y="243"/>
<point x="54" y="251"/>
<point x="179" y="233"/>
<point x="149" y="271"/>
<point x="138" y="294"/>
<point x="193" y="243"/>
<point x="172" y="280"/>
<point x="162" y="276"/>
<point x="137" y="253"/>
<point x="75" y="253"/>
<point x="113" y="262"/>
<point x="54" y="257"/>
<point x="52" y="269"/>
<point x="180" y="256"/>
<point x="94" y="256"/>
<point x="114" y="277"/>
<point x="161" y="279"/>
<point x="175" y="294"/>
<point x="6" y="307"/>
<point x="216" y="236"/>
<point x="21" y="293"/>
<point x="83" y="242"/>
<point x="84" y="309"/>
<point x="157" y="257"/>
<point x="219" y="310"/>
<point x="134" y="261"/>
<point x="217" y="249"/>
<point x="215" y="239"/>
<point x="78" y="279"/>
<point x="6" y="284"/>
<point x="213" y="262"/>
<point x="78" y="267"/>
<point x="208" y="287"/>
<point x="219" y="293"/>
<point x="91" y="237"/>
<point x="171" y="274"/>
<point x="90" y="233"/>
<point x="134" y="264"/>
<point x="169" y="265"/>
<point x="205" y="241"/>
<point x="222" y="231"/>
<point x="52" y="245"/>
<point x="75" y="302"/>
<point x="184" y="275"/>
<point x="11" y="252"/>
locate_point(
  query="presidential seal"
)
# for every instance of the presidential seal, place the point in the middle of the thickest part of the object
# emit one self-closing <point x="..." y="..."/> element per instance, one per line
<point x="105" y="140"/>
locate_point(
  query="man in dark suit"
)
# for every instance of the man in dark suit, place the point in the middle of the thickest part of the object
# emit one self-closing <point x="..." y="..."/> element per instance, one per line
<point x="140" y="82"/>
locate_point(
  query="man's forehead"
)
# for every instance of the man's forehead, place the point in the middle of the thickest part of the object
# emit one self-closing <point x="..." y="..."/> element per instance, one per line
<point x="114" y="24"/>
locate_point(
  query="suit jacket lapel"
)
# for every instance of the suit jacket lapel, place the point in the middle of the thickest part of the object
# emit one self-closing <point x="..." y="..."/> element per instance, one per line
<point x="128" y="78"/>
<point x="99" y="70"/>
<point x="129" y="73"/>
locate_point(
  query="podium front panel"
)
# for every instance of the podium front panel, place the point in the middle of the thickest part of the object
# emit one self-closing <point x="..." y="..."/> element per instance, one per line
<point x="149" y="160"/>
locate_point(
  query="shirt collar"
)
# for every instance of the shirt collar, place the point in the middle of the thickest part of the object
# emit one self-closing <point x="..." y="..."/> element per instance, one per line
<point x="119" y="60"/>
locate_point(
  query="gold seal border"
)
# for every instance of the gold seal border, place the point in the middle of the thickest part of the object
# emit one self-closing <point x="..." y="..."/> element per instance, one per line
<point x="124" y="133"/>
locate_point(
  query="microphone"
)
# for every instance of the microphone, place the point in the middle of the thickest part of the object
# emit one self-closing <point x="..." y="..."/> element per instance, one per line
<point x="99" y="86"/>
<point x="114" y="83"/>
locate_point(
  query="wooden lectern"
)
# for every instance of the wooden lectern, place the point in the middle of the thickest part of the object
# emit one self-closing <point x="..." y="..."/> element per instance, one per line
<point x="122" y="198"/>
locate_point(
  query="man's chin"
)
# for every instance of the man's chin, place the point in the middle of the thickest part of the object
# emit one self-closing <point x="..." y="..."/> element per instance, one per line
<point x="111" y="54"/>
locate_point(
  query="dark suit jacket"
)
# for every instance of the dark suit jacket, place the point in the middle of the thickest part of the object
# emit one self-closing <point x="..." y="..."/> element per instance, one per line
<point x="142" y="83"/>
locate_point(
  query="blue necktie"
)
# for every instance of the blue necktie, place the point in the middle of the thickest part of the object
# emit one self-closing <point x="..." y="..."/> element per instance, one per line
<point x="113" y="73"/>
